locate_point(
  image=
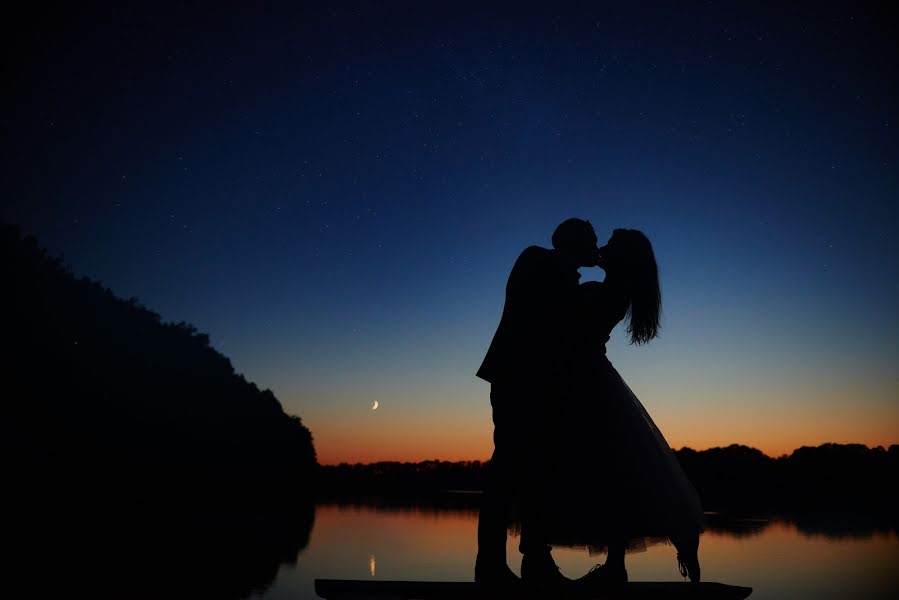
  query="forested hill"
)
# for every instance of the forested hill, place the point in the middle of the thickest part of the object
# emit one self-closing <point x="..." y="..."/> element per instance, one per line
<point x="105" y="403"/>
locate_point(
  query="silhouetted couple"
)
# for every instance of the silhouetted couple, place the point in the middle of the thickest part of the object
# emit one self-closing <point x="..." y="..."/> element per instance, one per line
<point x="577" y="460"/>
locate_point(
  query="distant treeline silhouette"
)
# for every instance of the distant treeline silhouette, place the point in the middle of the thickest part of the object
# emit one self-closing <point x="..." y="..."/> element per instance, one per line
<point x="117" y="424"/>
<point x="737" y="477"/>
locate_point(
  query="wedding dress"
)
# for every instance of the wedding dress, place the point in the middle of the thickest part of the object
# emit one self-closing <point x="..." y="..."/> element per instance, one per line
<point x="617" y="479"/>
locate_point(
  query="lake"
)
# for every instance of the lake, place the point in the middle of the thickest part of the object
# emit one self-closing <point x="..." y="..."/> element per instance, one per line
<point x="815" y="557"/>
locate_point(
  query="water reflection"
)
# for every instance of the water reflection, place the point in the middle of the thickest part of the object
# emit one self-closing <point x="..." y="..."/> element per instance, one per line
<point x="145" y="555"/>
<point x="826" y="557"/>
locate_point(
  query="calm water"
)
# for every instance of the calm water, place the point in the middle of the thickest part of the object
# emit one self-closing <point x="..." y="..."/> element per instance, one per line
<point x="818" y="558"/>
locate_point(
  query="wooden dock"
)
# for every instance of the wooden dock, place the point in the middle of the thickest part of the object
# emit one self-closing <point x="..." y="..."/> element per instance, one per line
<point x="347" y="589"/>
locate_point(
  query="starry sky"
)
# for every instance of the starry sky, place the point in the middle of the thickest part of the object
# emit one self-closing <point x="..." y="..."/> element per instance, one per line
<point x="336" y="194"/>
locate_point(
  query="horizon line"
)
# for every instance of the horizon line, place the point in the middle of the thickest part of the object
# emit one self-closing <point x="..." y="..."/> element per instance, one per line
<point x="885" y="448"/>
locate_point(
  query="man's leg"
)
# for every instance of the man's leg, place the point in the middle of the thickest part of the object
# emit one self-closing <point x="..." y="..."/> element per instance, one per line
<point x="497" y="495"/>
<point x="492" y="517"/>
<point x="541" y="433"/>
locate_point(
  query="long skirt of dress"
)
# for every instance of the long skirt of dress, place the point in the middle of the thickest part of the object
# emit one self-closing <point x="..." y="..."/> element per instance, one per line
<point x="616" y="478"/>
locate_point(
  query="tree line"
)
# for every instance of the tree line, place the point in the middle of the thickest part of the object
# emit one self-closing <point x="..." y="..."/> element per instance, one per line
<point x="735" y="477"/>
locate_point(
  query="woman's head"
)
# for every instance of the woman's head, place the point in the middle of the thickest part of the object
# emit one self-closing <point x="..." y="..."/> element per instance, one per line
<point x="628" y="257"/>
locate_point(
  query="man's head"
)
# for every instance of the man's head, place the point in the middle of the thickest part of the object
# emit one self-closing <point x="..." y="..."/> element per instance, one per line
<point x="576" y="240"/>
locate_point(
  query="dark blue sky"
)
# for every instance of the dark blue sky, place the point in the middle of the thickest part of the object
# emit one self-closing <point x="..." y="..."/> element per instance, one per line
<point x="336" y="195"/>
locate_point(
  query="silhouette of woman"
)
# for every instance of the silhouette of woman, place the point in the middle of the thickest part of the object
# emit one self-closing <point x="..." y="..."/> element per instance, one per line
<point x="617" y="482"/>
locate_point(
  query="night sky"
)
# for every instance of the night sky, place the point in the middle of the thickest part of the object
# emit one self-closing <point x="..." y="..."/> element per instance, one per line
<point x="336" y="195"/>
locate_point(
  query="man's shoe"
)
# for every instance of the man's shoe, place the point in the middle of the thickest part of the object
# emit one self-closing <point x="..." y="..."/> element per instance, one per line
<point x="540" y="570"/>
<point x="499" y="575"/>
<point x="604" y="576"/>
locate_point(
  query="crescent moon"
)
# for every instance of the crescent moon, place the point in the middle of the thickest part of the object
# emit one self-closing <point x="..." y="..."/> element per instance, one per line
<point x="375" y="405"/>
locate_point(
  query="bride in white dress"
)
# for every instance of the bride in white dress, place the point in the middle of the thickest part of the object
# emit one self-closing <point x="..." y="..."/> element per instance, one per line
<point x="618" y="483"/>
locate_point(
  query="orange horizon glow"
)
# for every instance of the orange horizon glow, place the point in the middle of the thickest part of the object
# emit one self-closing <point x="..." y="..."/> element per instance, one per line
<point x="399" y="453"/>
<point x="775" y="418"/>
<point x="452" y="421"/>
<point x="425" y="437"/>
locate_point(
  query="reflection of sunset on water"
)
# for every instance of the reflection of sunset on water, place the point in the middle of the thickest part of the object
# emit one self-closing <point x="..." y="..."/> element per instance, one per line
<point x="775" y="557"/>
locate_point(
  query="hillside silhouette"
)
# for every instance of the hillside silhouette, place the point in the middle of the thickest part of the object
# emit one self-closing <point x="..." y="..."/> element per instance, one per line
<point x="121" y="431"/>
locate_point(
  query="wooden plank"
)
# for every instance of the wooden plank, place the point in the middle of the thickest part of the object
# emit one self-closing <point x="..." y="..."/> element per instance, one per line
<point x="347" y="589"/>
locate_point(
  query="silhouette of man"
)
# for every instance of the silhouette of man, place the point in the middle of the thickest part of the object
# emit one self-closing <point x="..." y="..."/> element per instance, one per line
<point x="524" y="366"/>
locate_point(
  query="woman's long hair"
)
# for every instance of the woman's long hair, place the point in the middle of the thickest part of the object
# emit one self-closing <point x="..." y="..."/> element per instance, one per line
<point x="639" y="272"/>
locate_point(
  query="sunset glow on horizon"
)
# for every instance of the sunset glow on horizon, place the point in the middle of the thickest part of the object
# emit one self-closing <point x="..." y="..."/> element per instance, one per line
<point x="705" y="412"/>
<point x="472" y="442"/>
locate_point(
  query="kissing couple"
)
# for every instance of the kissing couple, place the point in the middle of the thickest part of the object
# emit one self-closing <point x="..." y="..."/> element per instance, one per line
<point x="577" y="459"/>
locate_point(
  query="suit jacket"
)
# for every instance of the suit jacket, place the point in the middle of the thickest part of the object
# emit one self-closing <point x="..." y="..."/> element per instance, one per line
<point x="532" y="340"/>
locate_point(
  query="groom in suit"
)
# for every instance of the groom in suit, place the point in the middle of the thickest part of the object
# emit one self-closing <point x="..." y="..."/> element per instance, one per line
<point x="525" y="367"/>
